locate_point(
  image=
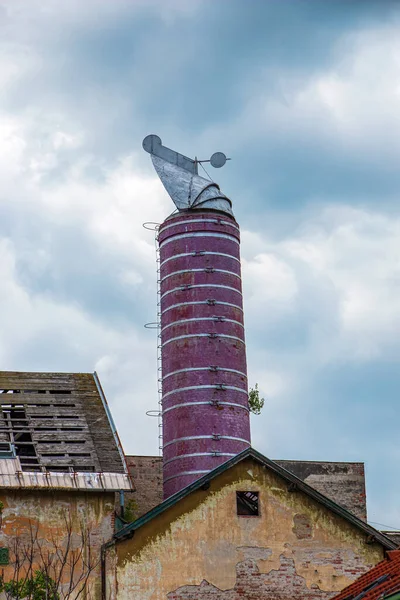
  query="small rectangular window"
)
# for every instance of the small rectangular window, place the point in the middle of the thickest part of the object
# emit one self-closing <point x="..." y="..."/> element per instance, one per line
<point x="247" y="504"/>
<point x="4" y="556"/>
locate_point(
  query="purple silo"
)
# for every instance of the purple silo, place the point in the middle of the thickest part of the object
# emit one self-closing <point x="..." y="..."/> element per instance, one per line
<point x="205" y="413"/>
<point x="205" y="401"/>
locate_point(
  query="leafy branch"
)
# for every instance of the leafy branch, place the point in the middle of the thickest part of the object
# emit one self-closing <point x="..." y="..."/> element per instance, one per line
<point x="255" y="402"/>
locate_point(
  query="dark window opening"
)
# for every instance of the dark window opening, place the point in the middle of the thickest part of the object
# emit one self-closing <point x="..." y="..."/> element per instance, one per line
<point x="71" y="428"/>
<point x="247" y="504"/>
<point x="45" y="429"/>
<point x="50" y="442"/>
<point x="64" y="405"/>
<point x="23" y="438"/>
<point x="54" y="454"/>
<point x="77" y="454"/>
<point x="26" y="450"/>
<point x="57" y="469"/>
<point x="84" y="469"/>
<point x="44" y="417"/>
<point x="68" y="417"/>
<point x="16" y="421"/>
<point x="75" y="442"/>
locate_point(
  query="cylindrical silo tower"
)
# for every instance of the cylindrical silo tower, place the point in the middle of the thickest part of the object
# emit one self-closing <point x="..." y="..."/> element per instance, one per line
<point x="205" y="410"/>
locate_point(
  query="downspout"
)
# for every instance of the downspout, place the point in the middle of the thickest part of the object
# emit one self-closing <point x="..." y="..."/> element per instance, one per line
<point x="103" y="554"/>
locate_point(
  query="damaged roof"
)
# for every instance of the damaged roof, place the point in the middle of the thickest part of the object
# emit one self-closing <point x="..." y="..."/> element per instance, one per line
<point x="57" y="422"/>
<point x="294" y="483"/>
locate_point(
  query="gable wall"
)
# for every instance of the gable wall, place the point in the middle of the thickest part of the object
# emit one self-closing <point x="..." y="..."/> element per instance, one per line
<point x="342" y="482"/>
<point x="200" y="548"/>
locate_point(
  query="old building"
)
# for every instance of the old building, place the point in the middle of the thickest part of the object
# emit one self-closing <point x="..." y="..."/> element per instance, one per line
<point x="61" y="465"/>
<point x="344" y="483"/>
<point x="249" y="529"/>
<point x="381" y="582"/>
<point x="233" y="524"/>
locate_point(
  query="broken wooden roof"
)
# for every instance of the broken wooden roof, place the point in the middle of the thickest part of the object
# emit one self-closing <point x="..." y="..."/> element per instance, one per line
<point x="57" y="423"/>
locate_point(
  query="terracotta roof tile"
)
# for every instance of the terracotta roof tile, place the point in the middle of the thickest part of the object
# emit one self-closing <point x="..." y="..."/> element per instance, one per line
<point x="379" y="582"/>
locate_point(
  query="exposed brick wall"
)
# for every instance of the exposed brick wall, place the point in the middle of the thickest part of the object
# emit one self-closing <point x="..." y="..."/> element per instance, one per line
<point x="280" y="584"/>
<point x="344" y="483"/>
<point x="146" y="472"/>
<point x="200" y="548"/>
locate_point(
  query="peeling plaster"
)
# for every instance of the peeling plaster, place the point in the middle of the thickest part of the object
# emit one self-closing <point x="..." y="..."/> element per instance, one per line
<point x="202" y="538"/>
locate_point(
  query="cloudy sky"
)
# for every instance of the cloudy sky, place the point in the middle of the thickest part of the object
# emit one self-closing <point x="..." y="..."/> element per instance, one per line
<point x="305" y="98"/>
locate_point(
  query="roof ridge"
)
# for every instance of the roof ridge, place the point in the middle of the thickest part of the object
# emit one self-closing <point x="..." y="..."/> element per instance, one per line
<point x="370" y="531"/>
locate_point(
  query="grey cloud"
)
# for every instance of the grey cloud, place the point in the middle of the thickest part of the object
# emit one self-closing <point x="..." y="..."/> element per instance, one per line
<point x="219" y="77"/>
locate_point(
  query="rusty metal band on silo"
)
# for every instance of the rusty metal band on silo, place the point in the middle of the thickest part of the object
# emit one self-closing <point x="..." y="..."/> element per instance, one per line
<point x="204" y="376"/>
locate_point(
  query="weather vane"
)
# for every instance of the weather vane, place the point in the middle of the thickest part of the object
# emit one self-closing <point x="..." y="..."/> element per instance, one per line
<point x="153" y="145"/>
<point x="180" y="177"/>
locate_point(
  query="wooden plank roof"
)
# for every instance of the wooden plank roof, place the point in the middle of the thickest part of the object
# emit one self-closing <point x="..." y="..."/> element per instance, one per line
<point x="58" y="422"/>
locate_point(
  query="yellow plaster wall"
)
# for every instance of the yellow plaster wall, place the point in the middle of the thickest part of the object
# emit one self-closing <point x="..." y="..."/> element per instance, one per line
<point x="27" y="510"/>
<point x="202" y="538"/>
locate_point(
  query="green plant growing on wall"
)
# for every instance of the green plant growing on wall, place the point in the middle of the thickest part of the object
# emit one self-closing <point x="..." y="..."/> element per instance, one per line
<point x="131" y="509"/>
<point x="255" y="402"/>
<point x="38" y="586"/>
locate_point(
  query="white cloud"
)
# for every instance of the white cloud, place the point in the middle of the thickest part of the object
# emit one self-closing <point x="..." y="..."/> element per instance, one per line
<point x="351" y="106"/>
<point x="325" y="293"/>
<point x="45" y="331"/>
<point x="269" y="281"/>
<point x="355" y="100"/>
<point x="350" y="255"/>
<point x="39" y="333"/>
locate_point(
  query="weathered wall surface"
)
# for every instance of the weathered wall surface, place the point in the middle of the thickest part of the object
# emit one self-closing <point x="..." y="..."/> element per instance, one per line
<point x="47" y="511"/>
<point x="393" y="535"/>
<point x="146" y="472"/>
<point x="200" y="549"/>
<point x="344" y="483"/>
